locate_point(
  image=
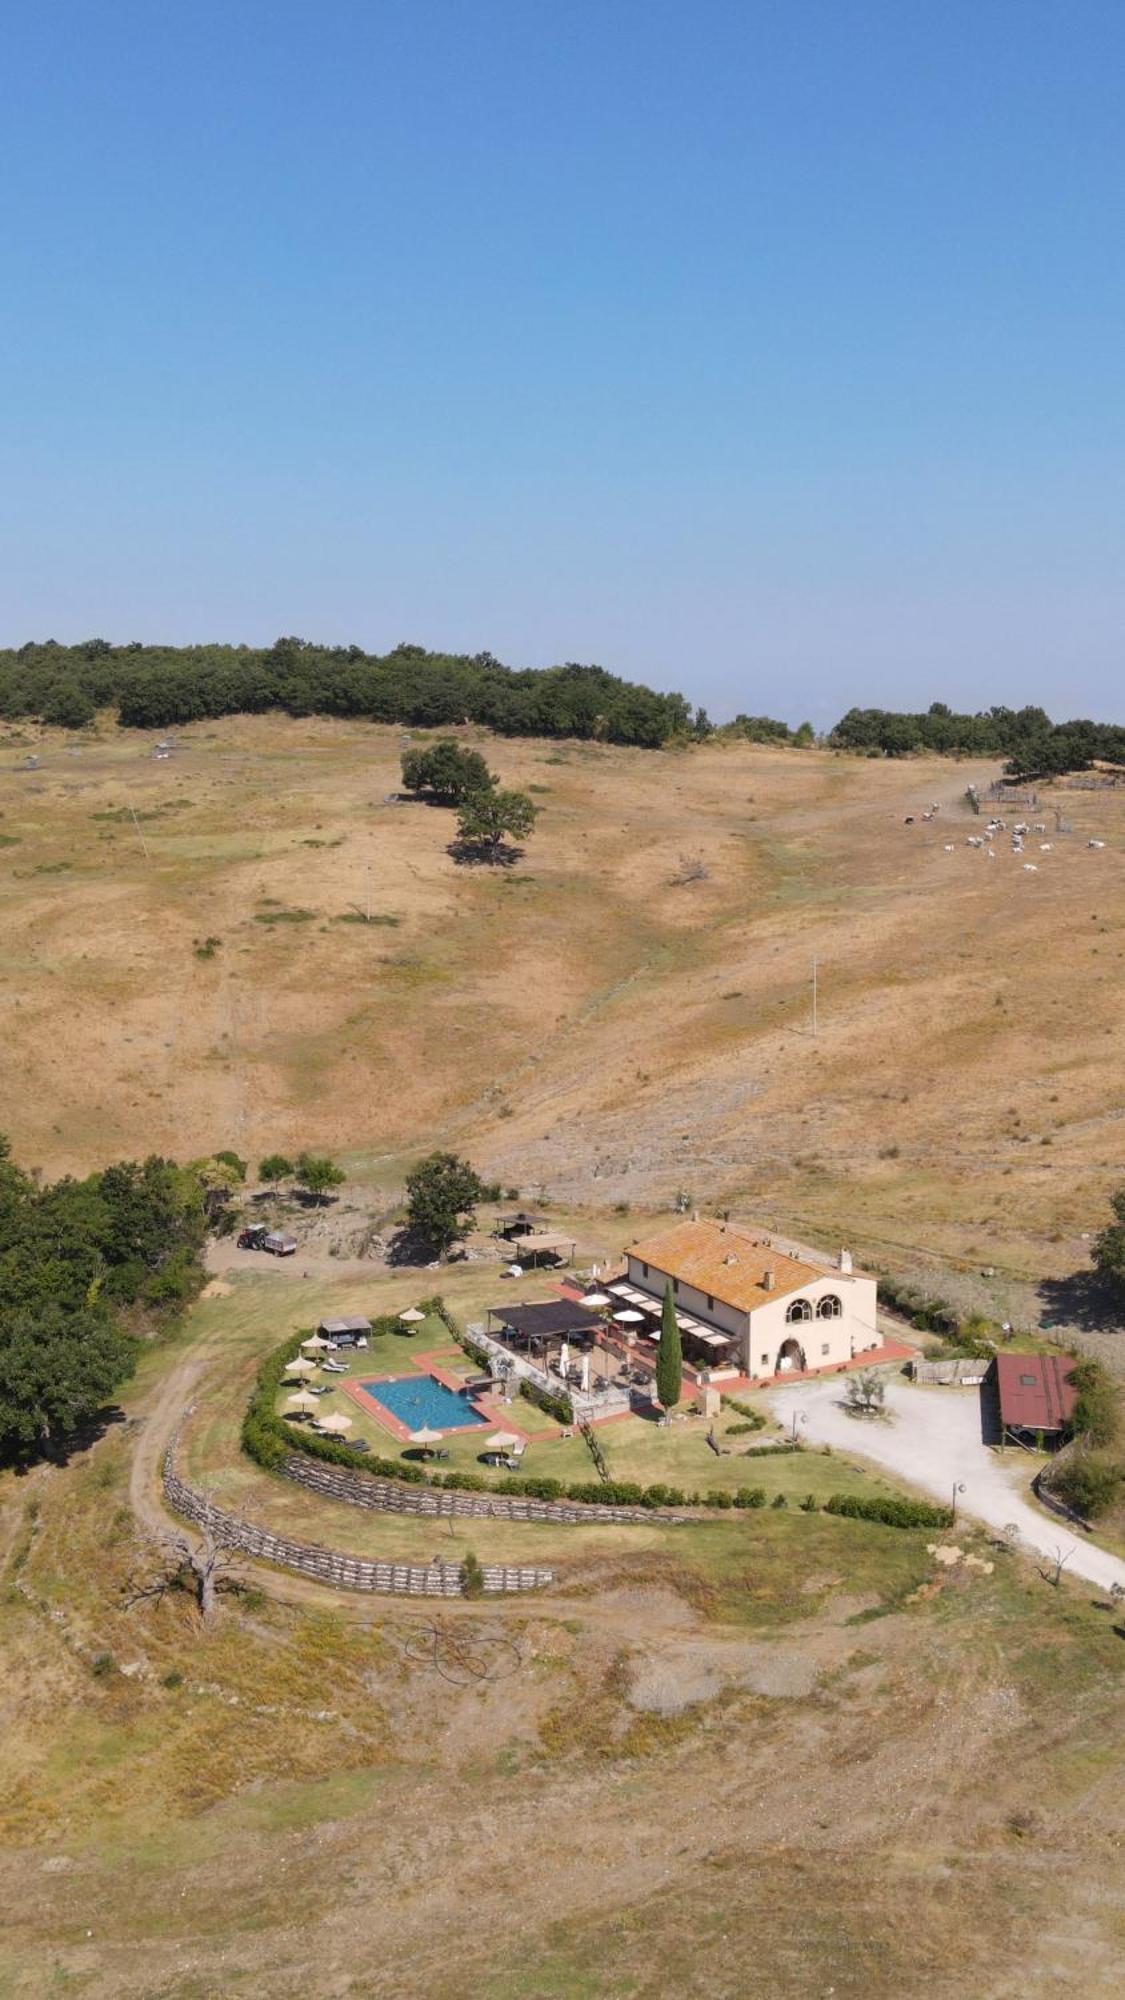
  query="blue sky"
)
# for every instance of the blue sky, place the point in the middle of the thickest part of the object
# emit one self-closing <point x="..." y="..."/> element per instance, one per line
<point x="774" y="352"/>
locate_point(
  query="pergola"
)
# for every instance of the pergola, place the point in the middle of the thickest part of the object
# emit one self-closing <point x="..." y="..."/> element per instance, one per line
<point x="714" y="1343"/>
<point x="537" y="1326"/>
<point x="543" y="1243"/>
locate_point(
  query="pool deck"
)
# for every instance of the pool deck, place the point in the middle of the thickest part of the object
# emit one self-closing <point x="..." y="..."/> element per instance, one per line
<point x="498" y="1415"/>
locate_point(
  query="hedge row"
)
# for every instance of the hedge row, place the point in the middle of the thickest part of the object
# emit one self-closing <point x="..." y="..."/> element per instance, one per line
<point x="894" y="1513"/>
<point x="757" y="1421"/>
<point x="268" y="1439"/>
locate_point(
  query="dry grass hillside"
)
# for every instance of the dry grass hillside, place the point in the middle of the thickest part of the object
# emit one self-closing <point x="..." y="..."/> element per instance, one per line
<point x="583" y="1023"/>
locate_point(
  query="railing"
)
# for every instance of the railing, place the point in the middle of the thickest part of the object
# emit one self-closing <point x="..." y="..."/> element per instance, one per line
<point x="587" y="1405"/>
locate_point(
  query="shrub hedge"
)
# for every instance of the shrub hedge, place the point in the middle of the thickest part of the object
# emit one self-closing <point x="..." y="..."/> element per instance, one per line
<point x="893" y="1512"/>
<point x="755" y="1420"/>
<point x="268" y="1440"/>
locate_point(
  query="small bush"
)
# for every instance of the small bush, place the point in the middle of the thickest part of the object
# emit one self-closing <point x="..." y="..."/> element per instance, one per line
<point x="173" y="1679"/>
<point x="750" y="1496"/>
<point x="1090" y="1485"/>
<point x="472" y="1576"/>
<point x="810" y="1504"/>
<point x="779" y="1500"/>
<point x="102" y="1666"/>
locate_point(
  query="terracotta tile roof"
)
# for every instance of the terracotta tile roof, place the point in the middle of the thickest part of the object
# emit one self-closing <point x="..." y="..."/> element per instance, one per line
<point x="724" y="1263"/>
<point x="1035" y="1394"/>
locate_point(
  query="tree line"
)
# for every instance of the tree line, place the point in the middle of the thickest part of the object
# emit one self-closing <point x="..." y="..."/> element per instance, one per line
<point x="159" y="687"/>
<point x="1033" y="746"/>
<point x="85" y="1265"/>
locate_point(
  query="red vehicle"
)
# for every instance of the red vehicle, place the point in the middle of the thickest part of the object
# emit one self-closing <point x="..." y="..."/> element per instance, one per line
<point x="254" y="1237"/>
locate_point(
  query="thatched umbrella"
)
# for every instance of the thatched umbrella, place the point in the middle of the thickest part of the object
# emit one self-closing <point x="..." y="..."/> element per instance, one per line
<point x="314" y="1345"/>
<point x="426" y="1439"/>
<point x="503" y="1441"/>
<point x="300" y="1370"/>
<point x="336" y="1424"/>
<point x="412" y="1316"/>
<point x="302" y="1404"/>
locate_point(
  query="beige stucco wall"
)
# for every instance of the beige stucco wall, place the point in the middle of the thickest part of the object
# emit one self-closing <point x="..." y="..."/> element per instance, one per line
<point x="826" y="1342"/>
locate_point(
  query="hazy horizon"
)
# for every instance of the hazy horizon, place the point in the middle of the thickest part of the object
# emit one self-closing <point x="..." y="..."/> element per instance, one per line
<point x="769" y="353"/>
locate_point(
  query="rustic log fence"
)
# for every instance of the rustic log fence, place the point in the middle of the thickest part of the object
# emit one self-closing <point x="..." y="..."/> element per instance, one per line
<point x="361" y="1489"/>
<point x="330" y="1566"/>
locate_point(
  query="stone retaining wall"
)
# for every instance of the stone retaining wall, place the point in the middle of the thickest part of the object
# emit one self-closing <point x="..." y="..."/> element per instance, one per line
<point x="396" y="1496"/>
<point x="342" y="1572"/>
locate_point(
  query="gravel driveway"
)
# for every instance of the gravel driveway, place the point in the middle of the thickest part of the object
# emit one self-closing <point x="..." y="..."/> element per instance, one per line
<point x="933" y="1437"/>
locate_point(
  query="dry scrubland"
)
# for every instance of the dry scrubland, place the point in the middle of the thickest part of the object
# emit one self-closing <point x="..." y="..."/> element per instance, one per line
<point x="757" y="1755"/>
<point x="579" y="1023"/>
<point x="775" y="1755"/>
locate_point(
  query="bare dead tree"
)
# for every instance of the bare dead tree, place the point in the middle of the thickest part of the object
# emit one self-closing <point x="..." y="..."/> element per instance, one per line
<point x="1061" y="1558"/>
<point x="179" y="1561"/>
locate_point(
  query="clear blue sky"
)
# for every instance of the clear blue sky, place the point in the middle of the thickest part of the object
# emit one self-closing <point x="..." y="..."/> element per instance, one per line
<point x="773" y="351"/>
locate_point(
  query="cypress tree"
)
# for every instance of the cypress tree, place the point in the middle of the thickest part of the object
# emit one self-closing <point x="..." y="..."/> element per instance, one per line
<point x="669" y="1355"/>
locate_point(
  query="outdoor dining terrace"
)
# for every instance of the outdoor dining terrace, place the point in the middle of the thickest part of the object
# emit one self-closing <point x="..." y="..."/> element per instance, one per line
<point x="558" y="1347"/>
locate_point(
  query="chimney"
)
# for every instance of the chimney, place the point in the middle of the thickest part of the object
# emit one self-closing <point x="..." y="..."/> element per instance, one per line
<point x="846" y="1262"/>
<point x="767" y="1280"/>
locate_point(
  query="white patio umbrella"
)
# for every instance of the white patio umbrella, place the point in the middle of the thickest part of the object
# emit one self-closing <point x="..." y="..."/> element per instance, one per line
<point x="426" y="1438"/>
<point x="314" y="1345"/>
<point x="564" y="1358"/>
<point x="302" y="1403"/>
<point x="629" y="1317"/>
<point x="337" y="1424"/>
<point x="503" y="1441"/>
<point x="412" y="1315"/>
<point x="585" y="1374"/>
<point x="595" y="1299"/>
<point x="301" y="1369"/>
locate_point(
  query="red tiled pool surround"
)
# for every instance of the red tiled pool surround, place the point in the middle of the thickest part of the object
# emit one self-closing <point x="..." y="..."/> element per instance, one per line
<point x="497" y="1415"/>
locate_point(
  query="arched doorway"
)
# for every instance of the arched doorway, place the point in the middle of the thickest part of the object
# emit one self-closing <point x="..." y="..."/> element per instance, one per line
<point x="790" y="1358"/>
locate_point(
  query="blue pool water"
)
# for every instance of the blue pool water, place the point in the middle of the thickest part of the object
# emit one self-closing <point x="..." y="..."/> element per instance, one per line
<point x="423" y="1403"/>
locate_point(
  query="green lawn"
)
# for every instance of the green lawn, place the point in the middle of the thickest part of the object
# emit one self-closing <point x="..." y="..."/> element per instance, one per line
<point x="258" y="1311"/>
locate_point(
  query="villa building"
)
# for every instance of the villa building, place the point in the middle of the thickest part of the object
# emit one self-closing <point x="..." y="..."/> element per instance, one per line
<point x="745" y="1305"/>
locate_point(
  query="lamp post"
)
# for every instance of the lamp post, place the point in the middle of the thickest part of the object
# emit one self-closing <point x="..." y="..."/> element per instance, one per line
<point x="799" y="1417"/>
<point x="958" y="1487"/>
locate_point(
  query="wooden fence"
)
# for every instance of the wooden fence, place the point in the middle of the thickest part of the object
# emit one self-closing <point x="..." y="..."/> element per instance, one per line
<point x="395" y="1496"/>
<point x="341" y="1572"/>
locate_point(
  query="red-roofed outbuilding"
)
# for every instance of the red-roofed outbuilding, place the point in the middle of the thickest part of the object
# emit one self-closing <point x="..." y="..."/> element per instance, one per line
<point x="1036" y="1393"/>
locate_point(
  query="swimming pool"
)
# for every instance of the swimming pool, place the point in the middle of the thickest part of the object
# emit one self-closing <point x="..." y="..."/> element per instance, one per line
<point x="421" y="1402"/>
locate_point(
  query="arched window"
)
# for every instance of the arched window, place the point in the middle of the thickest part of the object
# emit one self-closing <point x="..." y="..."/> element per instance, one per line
<point x="829" y="1307"/>
<point x="800" y="1309"/>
